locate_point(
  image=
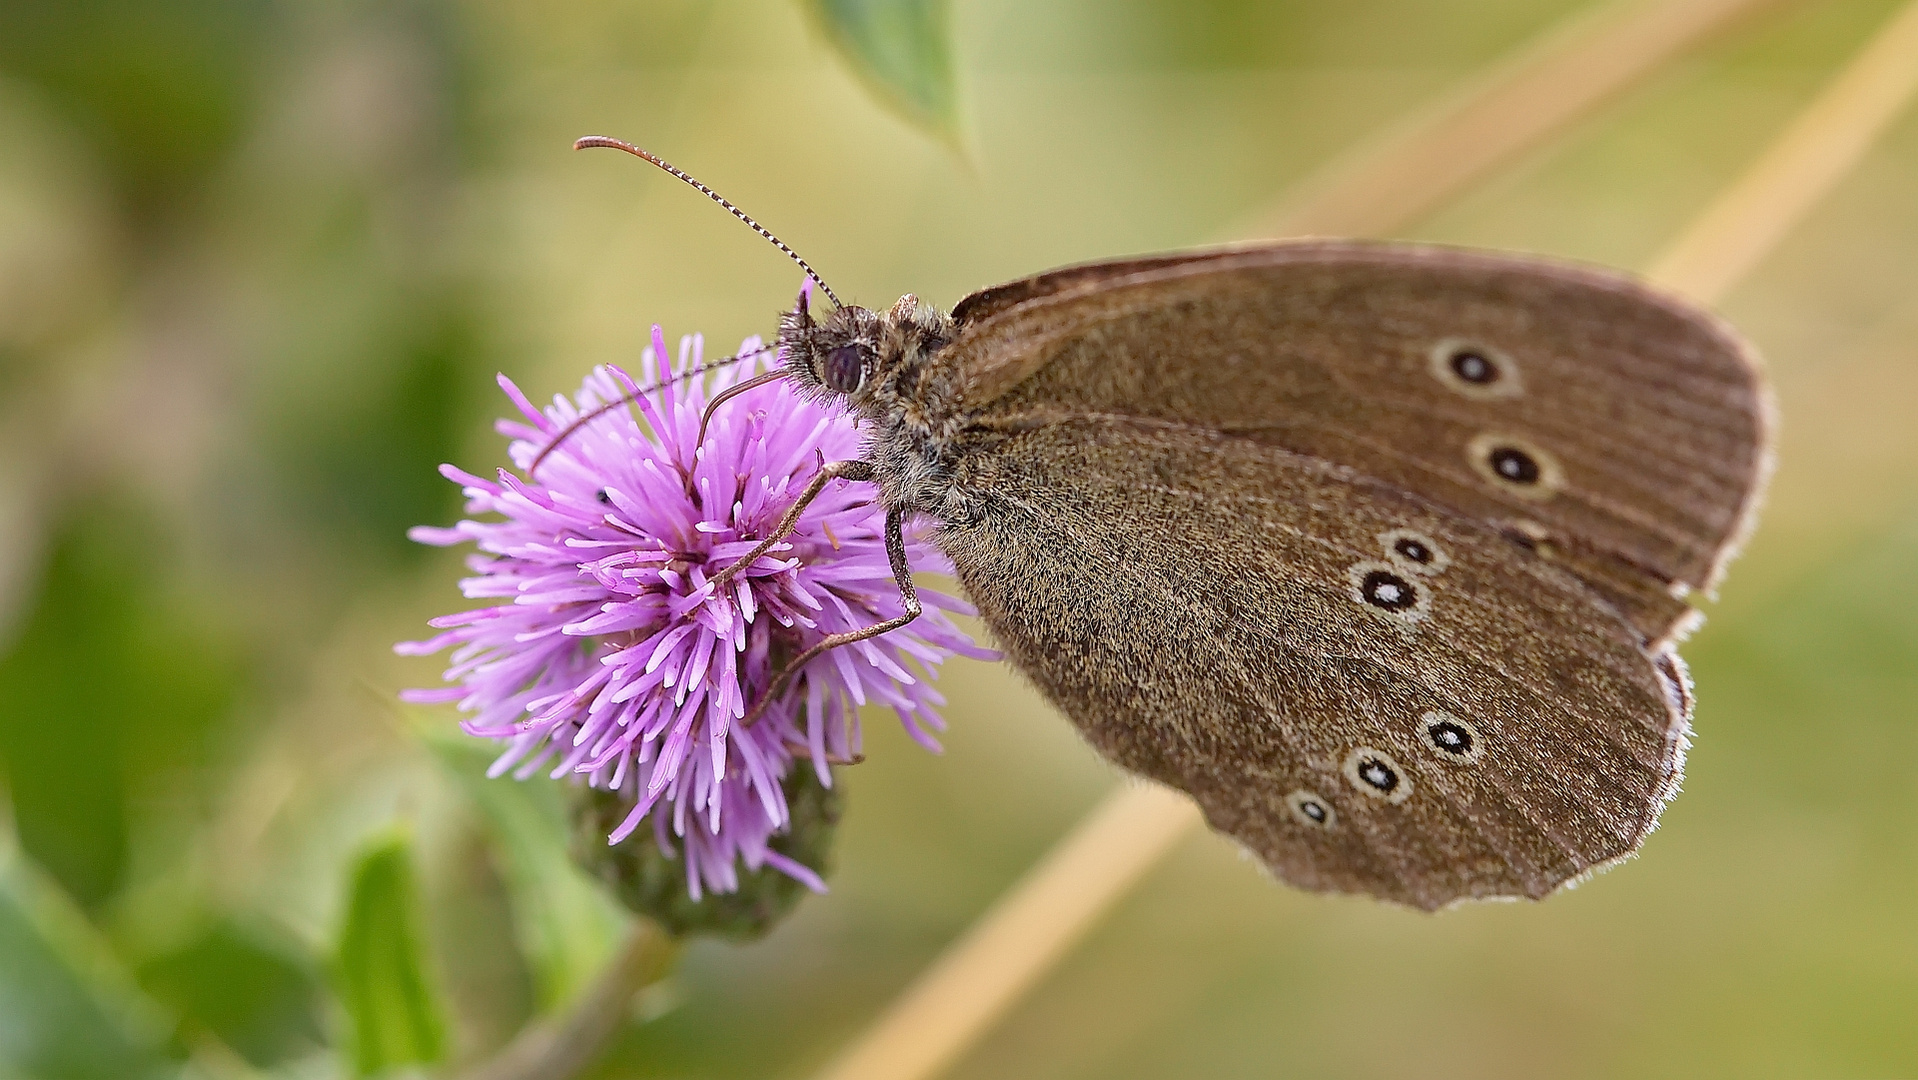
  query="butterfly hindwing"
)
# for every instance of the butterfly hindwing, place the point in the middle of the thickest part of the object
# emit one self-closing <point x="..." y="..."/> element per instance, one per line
<point x="1274" y="633"/>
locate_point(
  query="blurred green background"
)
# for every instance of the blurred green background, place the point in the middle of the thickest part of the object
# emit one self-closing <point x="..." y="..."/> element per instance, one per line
<point x="260" y="260"/>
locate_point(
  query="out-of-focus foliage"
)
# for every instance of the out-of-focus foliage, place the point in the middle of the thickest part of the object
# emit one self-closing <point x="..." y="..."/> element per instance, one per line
<point x="903" y="48"/>
<point x="161" y="91"/>
<point x="259" y="262"/>
<point x="243" y="986"/>
<point x="119" y="681"/>
<point x="396" y="1015"/>
<point x="565" y="927"/>
<point x="71" y="1010"/>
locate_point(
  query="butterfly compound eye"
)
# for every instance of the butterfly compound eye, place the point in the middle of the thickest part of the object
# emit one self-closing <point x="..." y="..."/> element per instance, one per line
<point x="844" y="370"/>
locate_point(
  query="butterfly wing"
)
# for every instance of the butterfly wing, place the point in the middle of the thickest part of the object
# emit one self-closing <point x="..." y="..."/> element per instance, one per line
<point x="1613" y="429"/>
<point x="1370" y="692"/>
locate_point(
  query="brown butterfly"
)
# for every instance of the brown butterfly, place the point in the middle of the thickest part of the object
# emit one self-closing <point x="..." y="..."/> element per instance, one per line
<point x="1378" y="551"/>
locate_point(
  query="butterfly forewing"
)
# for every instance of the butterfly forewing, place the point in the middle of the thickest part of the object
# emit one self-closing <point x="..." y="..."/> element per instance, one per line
<point x="1370" y="692"/>
<point x="1613" y="429"/>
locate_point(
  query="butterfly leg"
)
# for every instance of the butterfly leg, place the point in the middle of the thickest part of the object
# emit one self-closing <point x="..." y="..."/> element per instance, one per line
<point x="837" y="470"/>
<point x="909" y="598"/>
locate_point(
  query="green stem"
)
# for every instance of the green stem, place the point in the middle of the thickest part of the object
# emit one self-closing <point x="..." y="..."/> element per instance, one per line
<point x="560" y="1047"/>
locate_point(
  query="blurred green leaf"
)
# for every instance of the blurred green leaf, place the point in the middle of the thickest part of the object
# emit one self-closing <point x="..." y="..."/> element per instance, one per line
<point x="365" y="465"/>
<point x="68" y="1008"/>
<point x="113" y="691"/>
<point x="567" y="926"/>
<point x="397" y="1017"/>
<point x="903" y="51"/>
<point x="244" y="988"/>
<point x="161" y="87"/>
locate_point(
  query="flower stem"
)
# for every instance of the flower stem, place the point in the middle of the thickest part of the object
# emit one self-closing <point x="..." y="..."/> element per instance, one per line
<point x="561" y="1046"/>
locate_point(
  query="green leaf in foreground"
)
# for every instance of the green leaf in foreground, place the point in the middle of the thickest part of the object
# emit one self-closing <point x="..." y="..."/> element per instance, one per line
<point x="114" y="687"/>
<point x="902" y="49"/>
<point x="67" y="1006"/>
<point x="383" y="983"/>
<point x="566" y="925"/>
<point x="242" y="984"/>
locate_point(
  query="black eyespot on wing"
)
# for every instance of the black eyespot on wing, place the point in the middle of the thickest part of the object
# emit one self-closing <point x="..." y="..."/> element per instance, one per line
<point x="1473" y="367"/>
<point x="1386" y="590"/>
<point x="1393" y="589"/>
<point x="1454" y="738"/>
<point x="1311" y="810"/>
<point x="1450" y="738"/>
<point x="1377" y="774"/>
<point x="1474" y="370"/>
<point x="1517" y="465"/>
<point x="844" y="370"/>
<point x="1413" y="551"/>
<point x="1514" y="464"/>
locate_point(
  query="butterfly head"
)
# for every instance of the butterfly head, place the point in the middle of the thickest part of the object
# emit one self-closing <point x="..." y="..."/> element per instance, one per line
<point x="858" y="356"/>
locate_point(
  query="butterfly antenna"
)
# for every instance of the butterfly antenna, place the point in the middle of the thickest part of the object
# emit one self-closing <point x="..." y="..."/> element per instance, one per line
<point x="733" y="391"/>
<point x="604" y="140"/>
<point x="602" y="409"/>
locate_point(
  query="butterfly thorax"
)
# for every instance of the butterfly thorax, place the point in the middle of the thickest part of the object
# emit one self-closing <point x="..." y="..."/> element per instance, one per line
<point x="887" y="369"/>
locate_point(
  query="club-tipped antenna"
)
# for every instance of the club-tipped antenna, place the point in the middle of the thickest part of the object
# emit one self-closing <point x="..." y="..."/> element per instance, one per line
<point x="603" y="408"/>
<point x="617" y="144"/>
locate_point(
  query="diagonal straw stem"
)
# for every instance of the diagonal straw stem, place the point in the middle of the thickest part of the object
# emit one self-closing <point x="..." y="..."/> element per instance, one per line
<point x="1822" y="143"/>
<point x="1390" y="181"/>
<point x="1034" y="924"/>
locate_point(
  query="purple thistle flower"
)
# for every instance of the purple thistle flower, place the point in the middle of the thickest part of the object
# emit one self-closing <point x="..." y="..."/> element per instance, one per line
<point x="610" y="657"/>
